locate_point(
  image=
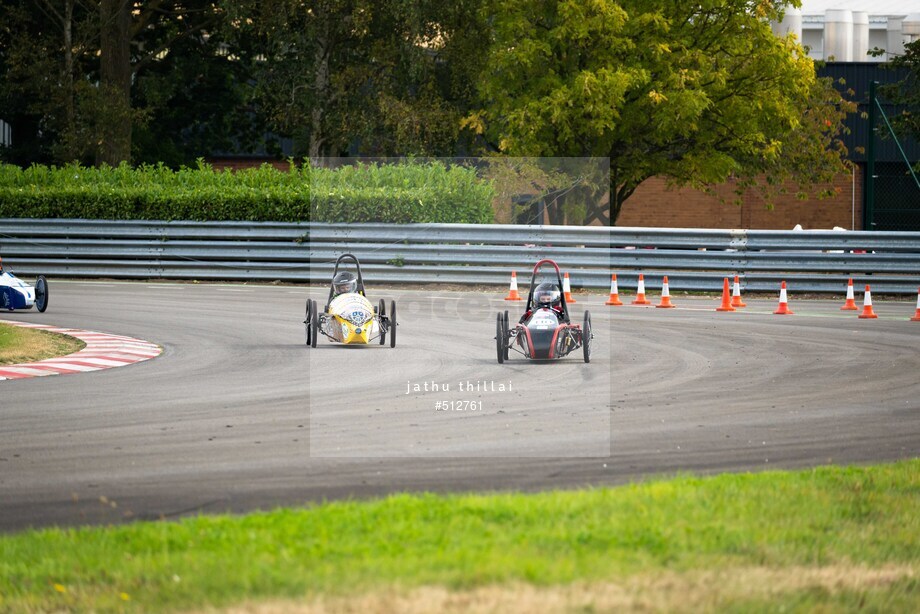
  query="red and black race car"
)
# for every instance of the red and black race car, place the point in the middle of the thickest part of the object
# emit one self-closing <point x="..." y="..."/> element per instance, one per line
<point x="545" y="331"/>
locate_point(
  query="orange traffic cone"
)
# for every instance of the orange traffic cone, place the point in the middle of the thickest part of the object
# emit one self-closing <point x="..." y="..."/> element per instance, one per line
<point x="850" y="305"/>
<point x="567" y="289"/>
<point x="916" y="317"/>
<point x="726" y="301"/>
<point x="513" y="291"/>
<point x="614" y="292"/>
<point x="867" y="312"/>
<point x="736" y="295"/>
<point x="665" y="295"/>
<point x="783" y="309"/>
<point x="640" y="292"/>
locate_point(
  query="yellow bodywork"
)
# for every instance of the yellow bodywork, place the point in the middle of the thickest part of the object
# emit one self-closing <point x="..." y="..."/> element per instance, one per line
<point x="352" y="320"/>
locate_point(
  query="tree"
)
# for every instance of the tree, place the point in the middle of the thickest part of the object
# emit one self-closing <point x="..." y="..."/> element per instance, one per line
<point x="134" y="35"/>
<point x="195" y="103"/>
<point x="562" y="188"/>
<point x="907" y="91"/>
<point x="43" y="48"/>
<point x="423" y="73"/>
<point x="372" y="77"/>
<point x="695" y="92"/>
<point x="74" y="66"/>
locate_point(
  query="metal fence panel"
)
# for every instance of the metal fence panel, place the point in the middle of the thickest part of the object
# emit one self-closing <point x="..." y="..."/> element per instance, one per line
<point x="693" y="259"/>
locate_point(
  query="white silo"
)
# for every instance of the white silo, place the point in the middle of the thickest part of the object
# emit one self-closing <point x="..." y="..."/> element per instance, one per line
<point x="910" y="26"/>
<point x="838" y="35"/>
<point x="860" y="36"/>
<point x="791" y="23"/>
<point x="895" y="38"/>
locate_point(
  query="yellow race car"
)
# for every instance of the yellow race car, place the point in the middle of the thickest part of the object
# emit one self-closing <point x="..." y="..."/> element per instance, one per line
<point x="348" y="316"/>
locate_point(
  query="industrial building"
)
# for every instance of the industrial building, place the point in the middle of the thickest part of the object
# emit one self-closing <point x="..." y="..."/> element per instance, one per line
<point x="846" y="31"/>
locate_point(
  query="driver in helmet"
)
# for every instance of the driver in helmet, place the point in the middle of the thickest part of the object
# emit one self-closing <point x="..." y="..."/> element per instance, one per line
<point x="344" y="283"/>
<point x="547" y="295"/>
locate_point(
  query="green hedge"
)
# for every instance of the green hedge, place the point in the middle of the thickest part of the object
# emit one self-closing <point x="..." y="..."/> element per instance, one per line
<point x="404" y="193"/>
<point x="431" y="192"/>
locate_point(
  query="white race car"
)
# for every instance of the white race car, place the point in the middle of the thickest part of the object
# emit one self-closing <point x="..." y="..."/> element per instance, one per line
<point x="17" y="294"/>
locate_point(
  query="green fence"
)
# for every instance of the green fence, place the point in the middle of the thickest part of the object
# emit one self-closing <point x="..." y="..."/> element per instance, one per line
<point x="897" y="198"/>
<point x="892" y="187"/>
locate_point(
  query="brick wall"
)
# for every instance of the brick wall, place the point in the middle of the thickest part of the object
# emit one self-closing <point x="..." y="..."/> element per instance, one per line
<point x="654" y="205"/>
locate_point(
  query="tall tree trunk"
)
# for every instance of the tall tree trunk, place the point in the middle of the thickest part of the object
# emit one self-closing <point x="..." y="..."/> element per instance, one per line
<point x="115" y="81"/>
<point x="69" y="113"/>
<point x="320" y="95"/>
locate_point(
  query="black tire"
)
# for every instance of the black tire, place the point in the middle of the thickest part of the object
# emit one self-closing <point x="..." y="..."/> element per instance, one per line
<point x="392" y="324"/>
<point x="586" y="337"/>
<point x="41" y="293"/>
<point x="381" y="313"/>
<point x="500" y="338"/>
<point x="507" y="330"/>
<point x="306" y="322"/>
<point x="314" y="324"/>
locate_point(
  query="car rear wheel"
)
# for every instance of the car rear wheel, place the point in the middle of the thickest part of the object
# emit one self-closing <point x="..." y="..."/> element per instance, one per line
<point x="314" y="324"/>
<point x="307" y="323"/>
<point x="507" y="329"/>
<point x="586" y="337"/>
<point x="41" y="293"/>
<point x="381" y="313"/>
<point x="500" y="337"/>
<point x="392" y="324"/>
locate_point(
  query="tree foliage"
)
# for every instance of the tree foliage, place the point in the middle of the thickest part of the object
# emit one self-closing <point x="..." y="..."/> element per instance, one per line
<point x="695" y="92"/>
<point x="82" y="77"/>
<point x="385" y="76"/>
<point x="907" y="91"/>
<point x="567" y="190"/>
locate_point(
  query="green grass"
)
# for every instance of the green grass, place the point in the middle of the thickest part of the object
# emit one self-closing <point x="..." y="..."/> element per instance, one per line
<point x="19" y="345"/>
<point x="900" y="596"/>
<point x="830" y="516"/>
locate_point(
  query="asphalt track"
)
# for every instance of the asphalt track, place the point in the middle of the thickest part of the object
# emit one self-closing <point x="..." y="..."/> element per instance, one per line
<point x="237" y="414"/>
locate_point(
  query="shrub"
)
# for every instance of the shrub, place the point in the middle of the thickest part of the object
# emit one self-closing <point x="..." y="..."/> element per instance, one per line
<point x="398" y="193"/>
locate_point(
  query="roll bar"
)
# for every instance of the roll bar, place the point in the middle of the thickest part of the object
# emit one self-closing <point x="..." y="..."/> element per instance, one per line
<point x="335" y="271"/>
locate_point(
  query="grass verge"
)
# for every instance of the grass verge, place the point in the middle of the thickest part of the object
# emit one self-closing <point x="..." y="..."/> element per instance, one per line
<point x="18" y="345"/>
<point x="830" y="538"/>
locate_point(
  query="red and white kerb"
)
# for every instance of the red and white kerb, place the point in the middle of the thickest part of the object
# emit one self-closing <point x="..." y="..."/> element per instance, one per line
<point x="102" y="351"/>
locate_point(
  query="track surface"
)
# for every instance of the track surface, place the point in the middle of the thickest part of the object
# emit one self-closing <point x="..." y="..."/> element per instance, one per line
<point x="221" y="421"/>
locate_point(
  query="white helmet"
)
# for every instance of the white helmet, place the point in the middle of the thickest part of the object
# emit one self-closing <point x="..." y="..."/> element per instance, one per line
<point x="547" y="294"/>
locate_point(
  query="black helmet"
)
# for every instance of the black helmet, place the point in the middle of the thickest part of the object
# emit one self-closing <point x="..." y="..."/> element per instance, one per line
<point x="344" y="282"/>
<point x="547" y="294"/>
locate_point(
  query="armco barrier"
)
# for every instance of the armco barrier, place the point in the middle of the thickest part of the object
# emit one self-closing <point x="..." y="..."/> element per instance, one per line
<point x="810" y="261"/>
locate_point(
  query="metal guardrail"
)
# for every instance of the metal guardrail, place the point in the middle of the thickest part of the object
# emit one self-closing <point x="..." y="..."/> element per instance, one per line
<point x="810" y="261"/>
